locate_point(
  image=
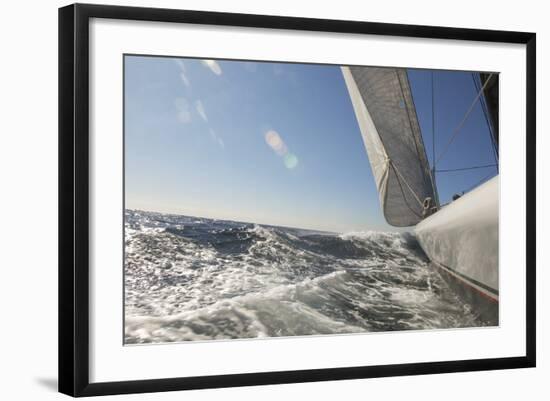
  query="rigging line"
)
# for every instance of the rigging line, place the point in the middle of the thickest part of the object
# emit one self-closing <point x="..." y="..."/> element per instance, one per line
<point x="457" y="129"/>
<point x="484" y="106"/>
<point x="433" y="124"/>
<point x="403" y="192"/>
<point x="433" y="179"/>
<point x="479" y="182"/>
<point x="406" y="183"/>
<point x="465" y="168"/>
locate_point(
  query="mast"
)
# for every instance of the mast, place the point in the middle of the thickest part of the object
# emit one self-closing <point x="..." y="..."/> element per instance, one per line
<point x="491" y="97"/>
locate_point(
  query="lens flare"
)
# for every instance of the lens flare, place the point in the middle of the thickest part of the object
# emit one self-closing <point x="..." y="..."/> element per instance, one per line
<point x="276" y="143"/>
<point x="200" y="109"/>
<point x="273" y="139"/>
<point x="291" y="161"/>
<point x="213" y="65"/>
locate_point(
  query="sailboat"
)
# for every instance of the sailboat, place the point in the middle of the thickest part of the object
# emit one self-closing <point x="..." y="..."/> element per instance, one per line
<point x="460" y="238"/>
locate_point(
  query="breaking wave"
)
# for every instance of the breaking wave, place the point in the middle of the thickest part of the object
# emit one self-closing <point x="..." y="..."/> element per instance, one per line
<point x="189" y="278"/>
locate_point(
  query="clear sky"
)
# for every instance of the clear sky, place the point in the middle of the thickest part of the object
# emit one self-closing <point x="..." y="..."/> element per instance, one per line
<point x="275" y="143"/>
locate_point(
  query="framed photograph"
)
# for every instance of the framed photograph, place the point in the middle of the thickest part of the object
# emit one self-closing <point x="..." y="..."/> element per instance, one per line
<point x="251" y="199"/>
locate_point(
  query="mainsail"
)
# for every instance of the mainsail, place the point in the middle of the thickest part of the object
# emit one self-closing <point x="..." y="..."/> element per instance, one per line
<point x="386" y="115"/>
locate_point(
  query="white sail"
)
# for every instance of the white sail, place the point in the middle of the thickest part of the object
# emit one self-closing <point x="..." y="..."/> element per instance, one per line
<point x="386" y="115"/>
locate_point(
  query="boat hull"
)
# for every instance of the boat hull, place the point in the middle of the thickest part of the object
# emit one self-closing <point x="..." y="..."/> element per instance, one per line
<point x="461" y="240"/>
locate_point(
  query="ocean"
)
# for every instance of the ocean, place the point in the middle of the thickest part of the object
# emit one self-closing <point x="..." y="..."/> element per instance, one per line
<point x="189" y="278"/>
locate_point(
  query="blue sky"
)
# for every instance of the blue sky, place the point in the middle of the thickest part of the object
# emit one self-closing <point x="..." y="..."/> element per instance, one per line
<point x="274" y="143"/>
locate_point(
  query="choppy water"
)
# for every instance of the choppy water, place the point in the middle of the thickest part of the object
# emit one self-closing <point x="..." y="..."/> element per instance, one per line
<point x="189" y="278"/>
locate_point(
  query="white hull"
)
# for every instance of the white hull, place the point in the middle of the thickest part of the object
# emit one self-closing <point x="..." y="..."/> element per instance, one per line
<point x="462" y="240"/>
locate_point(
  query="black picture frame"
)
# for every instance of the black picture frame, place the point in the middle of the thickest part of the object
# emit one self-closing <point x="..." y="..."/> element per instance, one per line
<point x="74" y="198"/>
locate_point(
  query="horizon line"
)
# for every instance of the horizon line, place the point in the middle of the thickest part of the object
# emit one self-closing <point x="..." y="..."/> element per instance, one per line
<point x="256" y="223"/>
